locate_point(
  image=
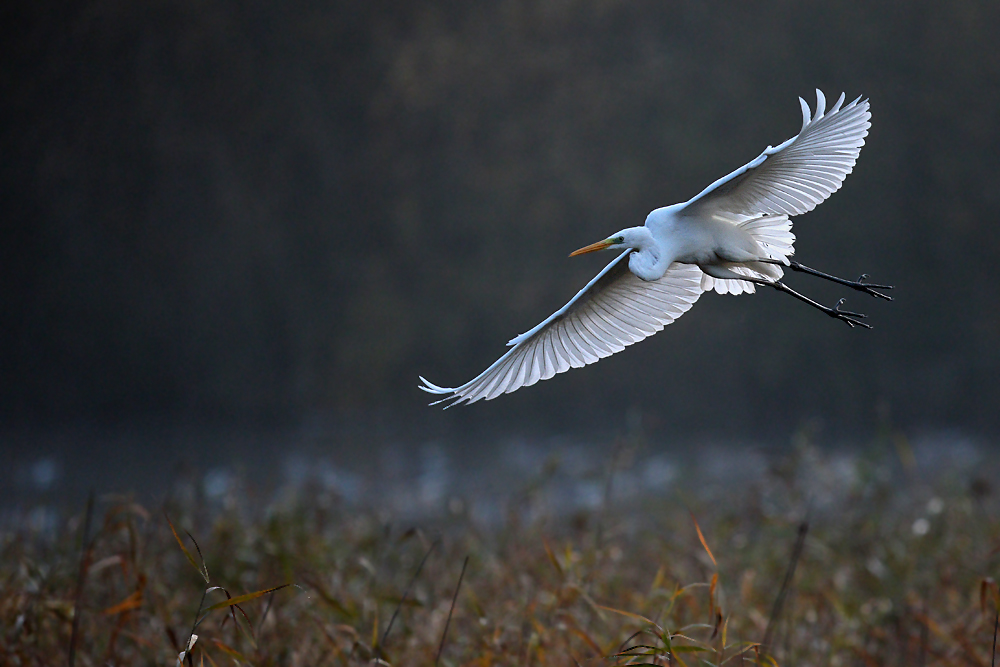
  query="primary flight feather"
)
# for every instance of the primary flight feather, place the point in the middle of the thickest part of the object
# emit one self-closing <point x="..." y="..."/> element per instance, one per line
<point x="733" y="235"/>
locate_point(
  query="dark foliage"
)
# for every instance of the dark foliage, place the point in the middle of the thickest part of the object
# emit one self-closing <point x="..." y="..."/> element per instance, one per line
<point x="248" y="208"/>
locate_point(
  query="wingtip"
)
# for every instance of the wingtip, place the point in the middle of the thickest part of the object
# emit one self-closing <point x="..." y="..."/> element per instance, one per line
<point x="840" y="102"/>
<point x="432" y="388"/>
<point x="806" y="114"/>
<point x="809" y="116"/>
<point x="448" y="393"/>
<point x="820" y="105"/>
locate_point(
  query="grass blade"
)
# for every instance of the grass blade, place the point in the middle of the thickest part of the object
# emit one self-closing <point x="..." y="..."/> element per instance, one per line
<point x="228" y="650"/>
<point x="240" y="599"/>
<point x="629" y="614"/>
<point x="203" y="570"/>
<point x="131" y="602"/>
<point x="703" y="542"/>
<point x="552" y="557"/>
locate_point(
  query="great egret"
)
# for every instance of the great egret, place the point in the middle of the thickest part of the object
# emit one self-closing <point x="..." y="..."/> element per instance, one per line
<point x="732" y="236"/>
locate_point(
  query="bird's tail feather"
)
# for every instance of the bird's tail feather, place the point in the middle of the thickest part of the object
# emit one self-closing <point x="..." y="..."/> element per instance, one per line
<point x="773" y="233"/>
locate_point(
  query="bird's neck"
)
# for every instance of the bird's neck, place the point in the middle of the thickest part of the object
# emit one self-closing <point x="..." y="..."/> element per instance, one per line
<point x="648" y="261"/>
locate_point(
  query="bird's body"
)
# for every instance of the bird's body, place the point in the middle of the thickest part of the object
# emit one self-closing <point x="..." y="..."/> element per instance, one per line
<point x="732" y="236"/>
<point x="700" y="240"/>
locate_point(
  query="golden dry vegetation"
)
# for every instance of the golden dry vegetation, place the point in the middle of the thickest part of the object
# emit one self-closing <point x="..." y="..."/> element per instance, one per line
<point x="893" y="569"/>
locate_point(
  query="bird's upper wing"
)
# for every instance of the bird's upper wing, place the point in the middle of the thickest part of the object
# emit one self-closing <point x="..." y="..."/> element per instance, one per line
<point x="796" y="176"/>
<point x="613" y="311"/>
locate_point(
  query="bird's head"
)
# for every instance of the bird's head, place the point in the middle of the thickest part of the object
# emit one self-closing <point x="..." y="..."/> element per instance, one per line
<point x="633" y="237"/>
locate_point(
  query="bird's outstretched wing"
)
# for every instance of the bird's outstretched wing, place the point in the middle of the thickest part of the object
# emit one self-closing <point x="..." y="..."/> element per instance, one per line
<point x="613" y="311"/>
<point x="796" y="176"/>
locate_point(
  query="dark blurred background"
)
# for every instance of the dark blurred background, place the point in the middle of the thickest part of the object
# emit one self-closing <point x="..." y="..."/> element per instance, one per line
<point x="266" y="214"/>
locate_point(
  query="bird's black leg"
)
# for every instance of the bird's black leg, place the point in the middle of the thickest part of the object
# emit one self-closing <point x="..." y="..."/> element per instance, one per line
<point x="860" y="284"/>
<point x="850" y="318"/>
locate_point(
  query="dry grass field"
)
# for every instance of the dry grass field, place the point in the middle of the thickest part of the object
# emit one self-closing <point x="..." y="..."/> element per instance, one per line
<point x="824" y="560"/>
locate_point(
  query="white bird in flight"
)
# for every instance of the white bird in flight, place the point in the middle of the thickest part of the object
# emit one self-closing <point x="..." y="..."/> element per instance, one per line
<point x="733" y="235"/>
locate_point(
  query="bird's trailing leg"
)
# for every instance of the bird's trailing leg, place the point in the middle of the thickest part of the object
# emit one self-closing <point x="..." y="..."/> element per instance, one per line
<point x="860" y="284"/>
<point x="852" y="319"/>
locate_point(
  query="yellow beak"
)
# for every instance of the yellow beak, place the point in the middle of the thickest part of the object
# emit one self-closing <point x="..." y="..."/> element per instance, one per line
<point x="593" y="247"/>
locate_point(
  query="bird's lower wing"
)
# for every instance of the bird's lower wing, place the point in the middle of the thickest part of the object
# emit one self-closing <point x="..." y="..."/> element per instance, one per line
<point x="614" y="310"/>
<point x="794" y="177"/>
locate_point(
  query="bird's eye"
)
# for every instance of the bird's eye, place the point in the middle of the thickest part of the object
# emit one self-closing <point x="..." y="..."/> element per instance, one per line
<point x="619" y="239"/>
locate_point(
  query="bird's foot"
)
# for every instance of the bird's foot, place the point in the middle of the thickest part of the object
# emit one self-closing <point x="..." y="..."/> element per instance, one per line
<point x="850" y="318"/>
<point x="862" y="285"/>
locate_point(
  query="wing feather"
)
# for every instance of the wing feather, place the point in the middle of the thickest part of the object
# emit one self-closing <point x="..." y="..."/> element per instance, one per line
<point x="549" y="355"/>
<point x="614" y="310"/>
<point x="797" y="175"/>
<point x="570" y="349"/>
<point x="594" y="341"/>
<point x="604" y="342"/>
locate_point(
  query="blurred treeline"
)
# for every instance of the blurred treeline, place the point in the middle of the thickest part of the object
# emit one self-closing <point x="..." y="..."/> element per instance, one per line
<point x="257" y="209"/>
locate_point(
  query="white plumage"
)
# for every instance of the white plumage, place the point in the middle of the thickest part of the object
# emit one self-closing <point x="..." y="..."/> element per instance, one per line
<point x="732" y="236"/>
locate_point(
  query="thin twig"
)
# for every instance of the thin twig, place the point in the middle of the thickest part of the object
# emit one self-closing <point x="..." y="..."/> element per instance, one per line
<point x="779" y="603"/>
<point x="924" y="632"/>
<point x="197" y="620"/>
<point x="260" y="623"/>
<point x="84" y="565"/>
<point x="406" y="593"/>
<point x="197" y="617"/>
<point x="996" y="622"/>
<point x="608" y="490"/>
<point x="454" y="599"/>
<point x="267" y="609"/>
